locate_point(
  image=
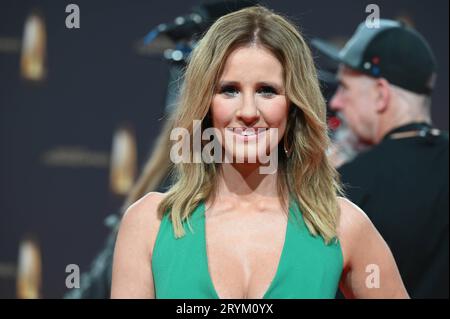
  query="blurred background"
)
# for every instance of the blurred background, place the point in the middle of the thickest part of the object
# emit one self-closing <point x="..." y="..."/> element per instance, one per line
<point x="81" y="108"/>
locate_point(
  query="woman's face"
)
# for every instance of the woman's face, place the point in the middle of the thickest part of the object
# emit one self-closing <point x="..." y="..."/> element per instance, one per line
<point x="249" y="99"/>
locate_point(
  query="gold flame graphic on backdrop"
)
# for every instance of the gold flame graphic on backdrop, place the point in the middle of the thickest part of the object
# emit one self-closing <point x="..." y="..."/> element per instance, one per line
<point x="29" y="270"/>
<point x="32" y="63"/>
<point x="123" y="160"/>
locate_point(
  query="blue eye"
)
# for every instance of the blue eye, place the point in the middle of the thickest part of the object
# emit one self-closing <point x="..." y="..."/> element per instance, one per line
<point x="229" y="90"/>
<point x="267" y="91"/>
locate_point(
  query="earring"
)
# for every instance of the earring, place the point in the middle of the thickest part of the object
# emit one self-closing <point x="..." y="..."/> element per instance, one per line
<point x="288" y="152"/>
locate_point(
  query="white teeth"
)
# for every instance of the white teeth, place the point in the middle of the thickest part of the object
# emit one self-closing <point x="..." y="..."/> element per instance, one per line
<point x="247" y="132"/>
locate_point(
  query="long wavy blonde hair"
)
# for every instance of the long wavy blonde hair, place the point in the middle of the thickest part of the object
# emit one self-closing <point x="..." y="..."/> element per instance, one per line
<point x="306" y="174"/>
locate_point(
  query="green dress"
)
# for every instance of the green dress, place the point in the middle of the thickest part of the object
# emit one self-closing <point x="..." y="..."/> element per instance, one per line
<point x="308" y="268"/>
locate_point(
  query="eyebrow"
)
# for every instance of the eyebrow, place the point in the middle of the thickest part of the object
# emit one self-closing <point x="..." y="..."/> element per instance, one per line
<point x="277" y="86"/>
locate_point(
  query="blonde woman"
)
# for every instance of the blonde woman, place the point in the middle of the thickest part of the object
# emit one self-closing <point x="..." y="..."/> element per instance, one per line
<point x="224" y="229"/>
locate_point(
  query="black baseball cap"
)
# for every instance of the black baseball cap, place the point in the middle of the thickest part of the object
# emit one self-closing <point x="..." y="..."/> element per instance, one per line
<point x="390" y="50"/>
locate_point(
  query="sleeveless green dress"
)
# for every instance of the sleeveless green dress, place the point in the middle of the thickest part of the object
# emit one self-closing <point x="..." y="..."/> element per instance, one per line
<point x="308" y="268"/>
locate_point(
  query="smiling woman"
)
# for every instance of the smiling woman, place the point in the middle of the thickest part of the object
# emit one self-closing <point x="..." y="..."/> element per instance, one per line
<point x="250" y="98"/>
<point x="225" y="230"/>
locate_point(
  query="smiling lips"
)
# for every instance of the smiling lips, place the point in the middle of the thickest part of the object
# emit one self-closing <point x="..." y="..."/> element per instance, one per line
<point x="247" y="131"/>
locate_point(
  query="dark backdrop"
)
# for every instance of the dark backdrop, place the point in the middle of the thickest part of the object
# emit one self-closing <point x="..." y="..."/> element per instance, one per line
<point x="95" y="83"/>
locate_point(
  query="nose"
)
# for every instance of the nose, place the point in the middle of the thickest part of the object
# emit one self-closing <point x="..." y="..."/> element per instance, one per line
<point x="248" y="112"/>
<point x="336" y="101"/>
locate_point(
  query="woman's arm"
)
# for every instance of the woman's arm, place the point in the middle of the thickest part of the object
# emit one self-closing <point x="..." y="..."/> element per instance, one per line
<point x="370" y="270"/>
<point x="132" y="273"/>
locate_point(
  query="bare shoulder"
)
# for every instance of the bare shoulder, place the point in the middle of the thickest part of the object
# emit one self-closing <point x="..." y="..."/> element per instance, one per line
<point x="141" y="218"/>
<point x="145" y="209"/>
<point x="353" y="219"/>
<point x="353" y="229"/>
<point x="362" y="246"/>
<point x="132" y="272"/>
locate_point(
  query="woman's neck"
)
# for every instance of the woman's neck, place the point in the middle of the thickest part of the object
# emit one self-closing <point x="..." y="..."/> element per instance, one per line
<point x="245" y="182"/>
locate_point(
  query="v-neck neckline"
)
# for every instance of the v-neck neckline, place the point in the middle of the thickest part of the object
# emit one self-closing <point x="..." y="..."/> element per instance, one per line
<point x="205" y="254"/>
